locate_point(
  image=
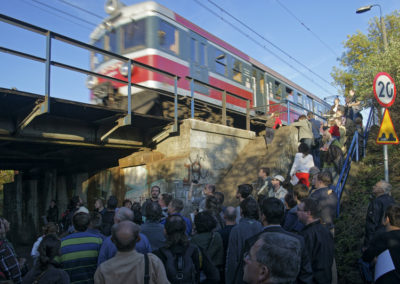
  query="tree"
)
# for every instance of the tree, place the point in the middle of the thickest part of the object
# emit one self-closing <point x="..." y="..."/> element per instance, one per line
<point x="364" y="57"/>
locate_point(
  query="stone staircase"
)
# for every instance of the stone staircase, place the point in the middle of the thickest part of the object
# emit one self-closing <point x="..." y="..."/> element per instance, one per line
<point x="278" y="157"/>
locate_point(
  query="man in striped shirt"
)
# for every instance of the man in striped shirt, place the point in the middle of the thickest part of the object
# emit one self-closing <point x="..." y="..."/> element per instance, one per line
<point x="80" y="250"/>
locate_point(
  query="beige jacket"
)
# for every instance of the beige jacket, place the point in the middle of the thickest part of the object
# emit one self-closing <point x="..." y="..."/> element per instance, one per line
<point x="128" y="267"/>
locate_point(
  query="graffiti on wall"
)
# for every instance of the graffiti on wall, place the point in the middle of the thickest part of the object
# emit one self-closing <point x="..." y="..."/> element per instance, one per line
<point x="195" y="171"/>
<point x="135" y="181"/>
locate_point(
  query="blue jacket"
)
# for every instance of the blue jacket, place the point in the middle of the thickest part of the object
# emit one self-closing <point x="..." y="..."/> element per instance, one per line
<point x="108" y="248"/>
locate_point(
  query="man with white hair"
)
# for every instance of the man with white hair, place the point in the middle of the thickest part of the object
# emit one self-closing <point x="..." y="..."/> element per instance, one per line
<point x="108" y="249"/>
<point x="376" y="210"/>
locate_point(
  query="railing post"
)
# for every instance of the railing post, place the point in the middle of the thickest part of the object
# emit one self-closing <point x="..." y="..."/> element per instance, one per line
<point x="175" y="103"/>
<point x="129" y="91"/>
<point x="288" y="112"/>
<point x="192" y="98"/>
<point x="357" y="148"/>
<point x="224" y="107"/>
<point x="48" y="72"/>
<point x="247" y="115"/>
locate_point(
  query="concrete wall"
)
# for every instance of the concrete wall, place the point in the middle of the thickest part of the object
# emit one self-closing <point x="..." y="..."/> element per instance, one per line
<point x="202" y="151"/>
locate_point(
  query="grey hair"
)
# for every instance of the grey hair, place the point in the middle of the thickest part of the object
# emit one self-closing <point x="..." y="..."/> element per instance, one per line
<point x="281" y="254"/>
<point x="386" y="187"/>
<point x="124" y="214"/>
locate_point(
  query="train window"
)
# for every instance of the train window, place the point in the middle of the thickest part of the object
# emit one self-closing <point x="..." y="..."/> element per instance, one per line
<point x="220" y="62"/>
<point x="308" y="103"/>
<point x="134" y="34"/>
<point x="168" y="37"/>
<point x="289" y="94"/>
<point x="202" y="54"/>
<point x="237" y="71"/>
<point x="278" y="91"/>
<point x="299" y="99"/>
<point x="262" y="84"/>
<point x="111" y="43"/>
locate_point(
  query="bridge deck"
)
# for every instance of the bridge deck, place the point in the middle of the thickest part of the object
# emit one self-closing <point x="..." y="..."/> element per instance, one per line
<point x="72" y="136"/>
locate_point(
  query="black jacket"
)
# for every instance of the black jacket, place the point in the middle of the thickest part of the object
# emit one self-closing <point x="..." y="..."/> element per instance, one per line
<point x="386" y="240"/>
<point x="375" y="214"/>
<point x="305" y="274"/>
<point x="327" y="202"/>
<point x="320" y="246"/>
<point x="49" y="276"/>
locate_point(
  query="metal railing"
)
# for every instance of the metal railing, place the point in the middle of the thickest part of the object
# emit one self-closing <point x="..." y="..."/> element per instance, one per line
<point x="127" y="119"/>
<point x="290" y="107"/>
<point x="225" y="93"/>
<point x="50" y="36"/>
<point x="353" y="152"/>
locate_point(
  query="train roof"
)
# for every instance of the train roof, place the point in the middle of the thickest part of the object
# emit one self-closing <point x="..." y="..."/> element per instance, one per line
<point x="126" y="13"/>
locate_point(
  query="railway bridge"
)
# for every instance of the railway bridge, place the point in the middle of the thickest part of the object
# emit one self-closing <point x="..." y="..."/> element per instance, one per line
<point x="59" y="148"/>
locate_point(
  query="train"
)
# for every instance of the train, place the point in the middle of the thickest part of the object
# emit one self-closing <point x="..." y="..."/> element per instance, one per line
<point x="152" y="34"/>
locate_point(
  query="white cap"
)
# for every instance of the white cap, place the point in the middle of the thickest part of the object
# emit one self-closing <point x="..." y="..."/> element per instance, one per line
<point x="82" y="209"/>
<point x="279" y="177"/>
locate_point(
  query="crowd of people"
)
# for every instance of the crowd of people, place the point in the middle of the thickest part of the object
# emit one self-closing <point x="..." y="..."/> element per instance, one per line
<point x="281" y="231"/>
<point x="266" y="239"/>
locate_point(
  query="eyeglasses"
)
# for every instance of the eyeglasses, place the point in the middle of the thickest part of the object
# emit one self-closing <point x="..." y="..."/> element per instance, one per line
<point x="247" y="256"/>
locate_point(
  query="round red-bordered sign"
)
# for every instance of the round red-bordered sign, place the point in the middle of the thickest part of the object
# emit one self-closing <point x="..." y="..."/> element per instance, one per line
<point x="384" y="89"/>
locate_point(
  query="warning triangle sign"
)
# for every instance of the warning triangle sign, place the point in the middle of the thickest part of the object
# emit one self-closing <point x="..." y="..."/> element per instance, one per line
<point x="387" y="134"/>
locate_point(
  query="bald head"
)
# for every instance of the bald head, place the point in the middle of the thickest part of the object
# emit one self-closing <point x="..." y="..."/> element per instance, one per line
<point x="123" y="214"/>
<point x="230" y="215"/>
<point x="125" y="235"/>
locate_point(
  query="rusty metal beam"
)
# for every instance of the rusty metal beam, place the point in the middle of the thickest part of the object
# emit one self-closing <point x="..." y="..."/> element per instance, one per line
<point x="121" y="122"/>
<point x="39" y="109"/>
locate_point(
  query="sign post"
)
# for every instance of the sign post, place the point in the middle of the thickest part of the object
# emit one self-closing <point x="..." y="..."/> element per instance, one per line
<point x="385" y="94"/>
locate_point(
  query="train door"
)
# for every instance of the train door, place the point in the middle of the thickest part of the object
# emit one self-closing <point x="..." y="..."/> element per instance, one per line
<point x="259" y="92"/>
<point x="198" y="61"/>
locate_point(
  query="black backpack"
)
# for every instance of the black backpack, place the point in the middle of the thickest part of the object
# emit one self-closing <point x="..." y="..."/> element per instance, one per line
<point x="181" y="268"/>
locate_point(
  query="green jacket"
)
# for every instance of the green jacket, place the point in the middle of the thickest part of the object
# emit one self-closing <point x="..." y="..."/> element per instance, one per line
<point x="305" y="128"/>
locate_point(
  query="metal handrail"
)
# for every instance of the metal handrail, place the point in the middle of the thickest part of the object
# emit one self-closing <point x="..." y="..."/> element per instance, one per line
<point x="351" y="152"/>
<point x="288" y="103"/>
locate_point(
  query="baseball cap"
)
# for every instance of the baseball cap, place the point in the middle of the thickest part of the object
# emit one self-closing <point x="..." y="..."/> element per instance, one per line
<point x="279" y="177"/>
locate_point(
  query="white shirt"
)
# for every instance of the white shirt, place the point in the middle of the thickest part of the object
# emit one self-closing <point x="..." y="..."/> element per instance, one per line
<point x="35" y="247"/>
<point x="302" y="164"/>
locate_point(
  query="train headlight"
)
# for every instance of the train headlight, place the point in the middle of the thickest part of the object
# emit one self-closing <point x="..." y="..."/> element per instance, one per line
<point x="91" y="82"/>
<point x="124" y="69"/>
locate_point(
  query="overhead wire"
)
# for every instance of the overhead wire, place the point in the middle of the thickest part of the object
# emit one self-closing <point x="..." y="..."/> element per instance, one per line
<point x="81" y="9"/>
<point x="66" y="13"/>
<point x="54" y="14"/>
<point x="262" y="46"/>
<point x="307" y="28"/>
<point x="268" y="41"/>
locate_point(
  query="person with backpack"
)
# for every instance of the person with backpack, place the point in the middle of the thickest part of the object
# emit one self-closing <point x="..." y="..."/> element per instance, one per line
<point x="184" y="262"/>
<point x="209" y="240"/>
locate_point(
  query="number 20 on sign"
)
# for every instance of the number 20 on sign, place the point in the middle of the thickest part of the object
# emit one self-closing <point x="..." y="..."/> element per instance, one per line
<point x="384" y="89"/>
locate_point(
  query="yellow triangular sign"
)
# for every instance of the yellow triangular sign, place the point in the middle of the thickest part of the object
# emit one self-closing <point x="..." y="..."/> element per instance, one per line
<point x="387" y="134"/>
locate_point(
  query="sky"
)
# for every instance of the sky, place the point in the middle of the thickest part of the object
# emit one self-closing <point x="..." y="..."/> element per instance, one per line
<point x="285" y="23"/>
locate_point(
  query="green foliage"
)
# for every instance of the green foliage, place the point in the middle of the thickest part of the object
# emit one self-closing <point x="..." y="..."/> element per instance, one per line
<point x="364" y="57"/>
<point x="6" y="177"/>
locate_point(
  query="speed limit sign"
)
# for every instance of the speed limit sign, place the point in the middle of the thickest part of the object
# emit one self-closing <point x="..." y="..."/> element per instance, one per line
<point x="384" y="89"/>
